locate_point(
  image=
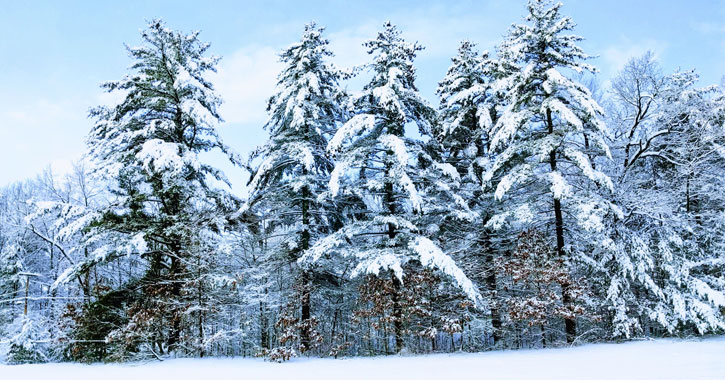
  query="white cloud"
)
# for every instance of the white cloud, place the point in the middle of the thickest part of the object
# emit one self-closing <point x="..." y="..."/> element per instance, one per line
<point x="617" y="55"/>
<point x="35" y="134"/>
<point x="347" y="44"/>
<point x="438" y="28"/>
<point x="34" y="114"/>
<point x="245" y="81"/>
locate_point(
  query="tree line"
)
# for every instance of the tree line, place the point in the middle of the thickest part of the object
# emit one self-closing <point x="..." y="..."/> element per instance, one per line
<point x="532" y="209"/>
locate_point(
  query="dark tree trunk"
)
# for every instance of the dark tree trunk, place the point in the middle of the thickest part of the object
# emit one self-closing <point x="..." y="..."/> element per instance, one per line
<point x="397" y="308"/>
<point x="175" y="272"/>
<point x="200" y="319"/>
<point x="569" y="323"/>
<point x="491" y="285"/>
<point x="263" y="327"/>
<point x="397" y="314"/>
<point x="306" y="286"/>
<point x="306" y="311"/>
<point x="86" y="285"/>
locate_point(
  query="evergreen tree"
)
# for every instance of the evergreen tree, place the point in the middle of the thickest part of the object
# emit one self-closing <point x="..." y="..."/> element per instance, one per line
<point x="375" y="164"/>
<point x="356" y="237"/>
<point x="166" y="209"/>
<point x="463" y="93"/>
<point x="471" y="100"/>
<point x="295" y="166"/>
<point x="546" y="138"/>
<point x="470" y="104"/>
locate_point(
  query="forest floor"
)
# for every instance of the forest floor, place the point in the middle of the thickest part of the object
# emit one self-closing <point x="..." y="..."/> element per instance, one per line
<point x="659" y="359"/>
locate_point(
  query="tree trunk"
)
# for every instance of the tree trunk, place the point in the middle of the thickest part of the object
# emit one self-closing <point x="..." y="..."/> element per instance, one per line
<point x="175" y="333"/>
<point x="27" y="291"/>
<point x="263" y="333"/>
<point x="491" y="285"/>
<point x="306" y="311"/>
<point x="569" y="323"/>
<point x="200" y="300"/>
<point x="305" y="277"/>
<point x="87" y="285"/>
<point x="397" y="309"/>
<point x="397" y="314"/>
<point x="176" y="275"/>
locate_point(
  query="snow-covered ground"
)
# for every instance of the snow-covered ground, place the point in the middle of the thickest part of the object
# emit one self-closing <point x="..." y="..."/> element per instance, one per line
<point x="661" y="359"/>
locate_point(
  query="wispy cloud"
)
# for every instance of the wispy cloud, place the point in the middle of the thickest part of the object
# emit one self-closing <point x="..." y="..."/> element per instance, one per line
<point x="41" y="132"/>
<point x="712" y="30"/>
<point x="709" y="28"/>
<point x="245" y="80"/>
<point x="617" y="55"/>
<point x="247" y="77"/>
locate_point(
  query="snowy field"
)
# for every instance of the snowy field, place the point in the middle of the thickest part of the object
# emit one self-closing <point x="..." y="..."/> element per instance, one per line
<point x="661" y="359"/>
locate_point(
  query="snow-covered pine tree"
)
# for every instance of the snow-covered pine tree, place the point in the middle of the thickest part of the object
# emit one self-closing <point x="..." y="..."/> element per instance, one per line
<point x="166" y="210"/>
<point x="470" y="105"/>
<point x="295" y="166"/>
<point x="376" y="163"/>
<point x="546" y="137"/>
<point x="463" y="93"/>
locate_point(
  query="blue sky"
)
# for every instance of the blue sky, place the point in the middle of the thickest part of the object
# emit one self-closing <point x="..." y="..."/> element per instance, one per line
<point x="53" y="54"/>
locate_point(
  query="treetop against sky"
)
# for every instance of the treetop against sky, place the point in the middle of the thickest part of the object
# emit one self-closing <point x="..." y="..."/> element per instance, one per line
<point x="56" y="54"/>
